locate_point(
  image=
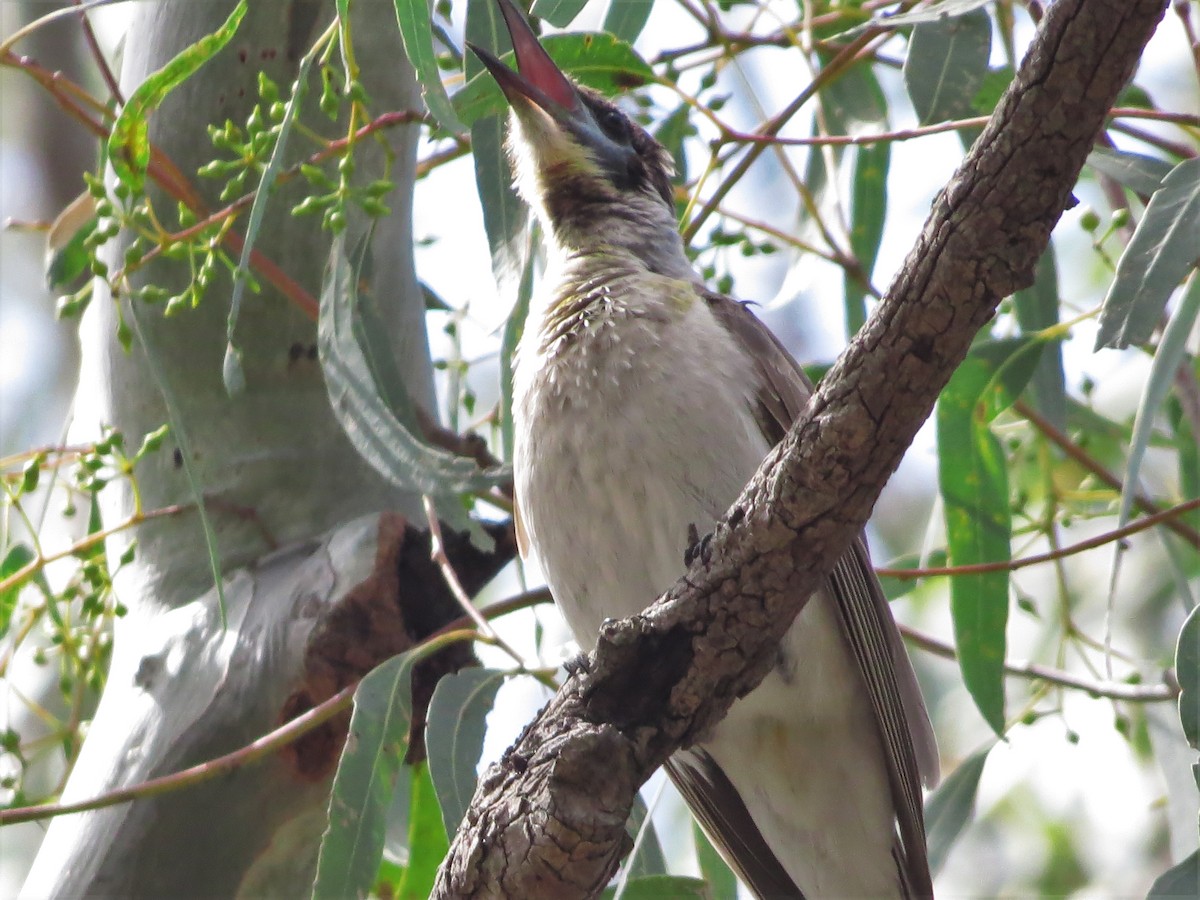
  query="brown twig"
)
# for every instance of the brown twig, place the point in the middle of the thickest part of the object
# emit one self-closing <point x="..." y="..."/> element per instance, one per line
<point x="1080" y="456"/>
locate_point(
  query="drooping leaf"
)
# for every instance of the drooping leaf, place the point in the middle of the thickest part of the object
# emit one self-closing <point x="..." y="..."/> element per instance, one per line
<point x="1170" y="353"/>
<point x="17" y="557"/>
<point x="559" y="13"/>
<point x="366" y="775"/>
<point x="1037" y="309"/>
<point x="658" y="887"/>
<point x="1187" y="670"/>
<point x="951" y="807"/>
<point x="627" y="18"/>
<point x="938" y="12"/>
<point x="1136" y="171"/>
<point x="234" y="380"/>
<point x="427" y="841"/>
<point x="1179" y="882"/>
<point x="973" y="479"/>
<point x="594" y="59"/>
<point x="454" y="736"/>
<point x="514" y="328"/>
<point x="946" y="65"/>
<point x="505" y="216"/>
<point x="416" y="30"/>
<point x="66" y="254"/>
<point x="129" y="140"/>
<point x="1163" y="248"/>
<point x="868" y="212"/>
<point x="394" y="451"/>
<point x="722" y="883"/>
<point x="646" y="859"/>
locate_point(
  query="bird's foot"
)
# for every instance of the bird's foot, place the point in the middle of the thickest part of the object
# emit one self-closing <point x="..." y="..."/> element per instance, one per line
<point x="697" y="547"/>
<point x="578" y="663"/>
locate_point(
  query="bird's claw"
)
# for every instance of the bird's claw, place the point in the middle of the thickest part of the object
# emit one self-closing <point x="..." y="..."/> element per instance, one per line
<point x="697" y="547"/>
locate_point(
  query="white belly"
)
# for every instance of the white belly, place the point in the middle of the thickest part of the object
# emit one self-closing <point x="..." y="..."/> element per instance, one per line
<point x="612" y="466"/>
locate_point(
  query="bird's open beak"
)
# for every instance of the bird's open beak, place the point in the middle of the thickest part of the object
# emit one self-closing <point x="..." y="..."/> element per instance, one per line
<point x="536" y="79"/>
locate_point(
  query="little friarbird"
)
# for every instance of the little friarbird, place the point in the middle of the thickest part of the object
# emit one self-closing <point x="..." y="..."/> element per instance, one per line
<point x="643" y="402"/>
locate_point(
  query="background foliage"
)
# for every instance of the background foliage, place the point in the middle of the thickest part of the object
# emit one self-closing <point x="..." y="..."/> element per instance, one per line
<point x="1048" y="514"/>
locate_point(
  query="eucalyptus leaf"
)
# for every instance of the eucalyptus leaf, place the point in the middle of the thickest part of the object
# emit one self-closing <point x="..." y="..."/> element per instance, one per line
<point x="427" y="838"/>
<point x="416" y="30"/>
<point x="1187" y="670"/>
<point x="454" y="736"/>
<point x="722" y="883"/>
<point x="627" y="18"/>
<point x="647" y="857"/>
<point x="1037" y="310"/>
<point x="1163" y="248"/>
<point x="559" y="13"/>
<point x="129" y="141"/>
<point x="1172" y="350"/>
<point x="950" y="809"/>
<point x="973" y="479"/>
<point x="393" y="450"/>
<point x="363" y="785"/>
<point x="1136" y="171"/>
<point x="946" y="65"/>
<point x="594" y="59"/>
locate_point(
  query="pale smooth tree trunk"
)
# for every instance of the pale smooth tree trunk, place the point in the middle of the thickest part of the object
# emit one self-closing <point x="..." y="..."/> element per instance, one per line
<point x="294" y="507"/>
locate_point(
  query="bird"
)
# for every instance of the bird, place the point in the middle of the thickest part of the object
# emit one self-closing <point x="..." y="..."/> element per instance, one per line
<point x="642" y="404"/>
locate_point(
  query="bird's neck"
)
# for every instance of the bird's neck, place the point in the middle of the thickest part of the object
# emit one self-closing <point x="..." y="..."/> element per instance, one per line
<point x="638" y="234"/>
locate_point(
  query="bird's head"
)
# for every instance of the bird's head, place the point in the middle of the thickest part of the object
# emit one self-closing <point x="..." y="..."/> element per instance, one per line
<point x="588" y="167"/>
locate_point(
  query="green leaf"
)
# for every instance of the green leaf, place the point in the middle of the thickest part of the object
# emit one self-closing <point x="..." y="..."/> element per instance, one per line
<point x="938" y="12"/>
<point x="946" y="65"/>
<point x="868" y="212"/>
<point x="627" y="18"/>
<point x="67" y="256"/>
<point x="514" y="328"/>
<point x="559" y="13"/>
<point x="1179" y="881"/>
<point x="416" y="31"/>
<point x="394" y="451"/>
<point x="17" y="557"/>
<point x="1187" y="670"/>
<point x="232" y="375"/>
<point x="129" y="141"/>
<point x="1170" y="353"/>
<point x="722" y="883"/>
<point x="1163" y="248"/>
<point x="427" y="841"/>
<point x="1136" y="171"/>
<point x="974" y="484"/>
<point x="951" y="807"/>
<point x="596" y="60"/>
<point x="363" y="785"/>
<point x="659" y="887"/>
<point x="505" y="215"/>
<point x="1037" y="309"/>
<point x="646" y="858"/>
<point x="454" y="736"/>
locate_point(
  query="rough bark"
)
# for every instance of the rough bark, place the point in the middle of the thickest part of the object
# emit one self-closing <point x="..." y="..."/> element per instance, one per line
<point x="549" y="819"/>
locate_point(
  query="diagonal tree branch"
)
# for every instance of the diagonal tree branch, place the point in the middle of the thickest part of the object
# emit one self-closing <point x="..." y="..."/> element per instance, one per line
<point x="549" y="819"/>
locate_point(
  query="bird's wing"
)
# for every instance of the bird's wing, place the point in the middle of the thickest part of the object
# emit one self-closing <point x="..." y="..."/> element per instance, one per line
<point x="866" y="620"/>
<point x="719" y="807"/>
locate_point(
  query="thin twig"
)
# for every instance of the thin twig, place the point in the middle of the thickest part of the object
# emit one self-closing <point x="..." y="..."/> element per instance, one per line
<point x="1115" y="690"/>
<point x="437" y="552"/>
<point x="89" y="35"/>
<point x="1013" y="564"/>
<point x="1076" y="453"/>
<point x="197" y="774"/>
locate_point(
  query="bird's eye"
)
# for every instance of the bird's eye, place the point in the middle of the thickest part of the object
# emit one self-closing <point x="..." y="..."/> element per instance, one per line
<point x="615" y="125"/>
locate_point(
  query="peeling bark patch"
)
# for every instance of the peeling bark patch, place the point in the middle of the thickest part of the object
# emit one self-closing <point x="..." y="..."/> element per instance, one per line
<point x="402" y="602"/>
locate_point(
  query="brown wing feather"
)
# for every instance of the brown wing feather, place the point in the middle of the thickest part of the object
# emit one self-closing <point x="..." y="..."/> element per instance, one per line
<point x="713" y="800"/>
<point x="866" y="620"/>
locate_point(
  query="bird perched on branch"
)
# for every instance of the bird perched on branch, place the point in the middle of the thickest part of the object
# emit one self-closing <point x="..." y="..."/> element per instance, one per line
<point x="643" y="403"/>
